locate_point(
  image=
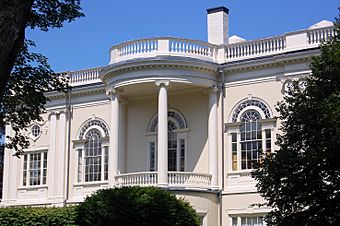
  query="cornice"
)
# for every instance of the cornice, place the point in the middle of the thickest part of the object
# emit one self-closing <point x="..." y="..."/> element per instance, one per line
<point x="183" y="63"/>
<point x="270" y="60"/>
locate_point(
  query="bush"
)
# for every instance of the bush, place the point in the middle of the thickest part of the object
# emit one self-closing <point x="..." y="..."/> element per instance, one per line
<point x="130" y="206"/>
<point x="36" y="216"/>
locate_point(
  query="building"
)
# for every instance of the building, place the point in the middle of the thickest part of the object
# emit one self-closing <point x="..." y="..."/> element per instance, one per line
<point x="186" y="115"/>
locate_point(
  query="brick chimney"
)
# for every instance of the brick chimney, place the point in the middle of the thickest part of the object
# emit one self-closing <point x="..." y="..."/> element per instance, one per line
<point x="218" y="19"/>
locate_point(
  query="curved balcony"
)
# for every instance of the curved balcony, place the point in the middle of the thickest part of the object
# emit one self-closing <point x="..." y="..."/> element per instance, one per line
<point x="168" y="46"/>
<point x="176" y="179"/>
<point x="164" y="46"/>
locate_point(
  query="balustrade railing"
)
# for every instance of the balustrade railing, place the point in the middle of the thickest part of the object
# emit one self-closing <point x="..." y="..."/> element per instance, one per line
<point x="191" y="47"/>
<point x="255" y="48"/>
<point x="316" y="36"/>
<point x="165" y="46"/>
<point x="187" y="179"/>
<point x="137" y="179"/>
<point x="162" y="46"/>
<point x="138" y="47"/>
<point x="84" y="76"/>
<point x="176" y="179"/>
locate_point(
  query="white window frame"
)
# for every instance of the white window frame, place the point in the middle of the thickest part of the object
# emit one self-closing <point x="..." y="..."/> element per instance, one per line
<point x="80" y="147"/>
<point x="181" y="134"/>
<point x="26" y="171"/>
<point x="240" y="217"/>
<point x="234" y="127"/>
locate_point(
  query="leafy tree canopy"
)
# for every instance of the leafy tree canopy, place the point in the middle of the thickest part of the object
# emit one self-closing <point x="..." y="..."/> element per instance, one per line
<point x="22" y="91"/>
<point x="301" y="181"/>
<point x="127" y="206"/>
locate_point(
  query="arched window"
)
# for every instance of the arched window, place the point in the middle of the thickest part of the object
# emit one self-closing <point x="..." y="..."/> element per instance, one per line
<point x="93" y="152"/>
<point x="177" y="140"/>
<point x="251" y="134"/>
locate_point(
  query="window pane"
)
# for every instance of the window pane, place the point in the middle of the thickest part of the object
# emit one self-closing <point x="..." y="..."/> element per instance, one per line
<point x="182" y="155"/>
<point x="93" y="158"/>
<point x="106" y="163"/>
<point x="251" y="143"/>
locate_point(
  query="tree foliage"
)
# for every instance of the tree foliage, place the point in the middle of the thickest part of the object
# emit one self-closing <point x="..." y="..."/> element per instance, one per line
<point x="22" y="98"/>
<point x="147" y="206"/>
<point x="301" y="181"/>
<point x="38" y="216"/>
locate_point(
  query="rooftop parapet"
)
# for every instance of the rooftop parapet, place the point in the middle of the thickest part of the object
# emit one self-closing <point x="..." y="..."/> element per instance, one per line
<point x="180" y="47"/>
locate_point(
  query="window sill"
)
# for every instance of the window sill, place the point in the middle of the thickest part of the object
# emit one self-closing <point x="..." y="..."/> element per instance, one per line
<point x="90" y="184"/>
<point x="32" y="187"/>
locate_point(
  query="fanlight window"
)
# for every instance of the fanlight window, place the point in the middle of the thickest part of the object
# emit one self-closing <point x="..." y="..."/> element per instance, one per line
<point x="176" y="142"/>
<point x="249" y="103"/>
<point x="92" y="123"/>
<point x="253" y="139"/>
<point x="93" y="155"/>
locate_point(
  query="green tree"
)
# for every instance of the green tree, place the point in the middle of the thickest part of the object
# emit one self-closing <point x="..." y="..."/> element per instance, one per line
<point x="301" y="181"/>
<point x="26" y="76"/>
<point x="127" y="206"/>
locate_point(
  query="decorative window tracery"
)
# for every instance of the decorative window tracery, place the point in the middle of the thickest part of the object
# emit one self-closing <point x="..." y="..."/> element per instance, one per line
<point x="251" y="102"/>
<point x="251" y="138"/>
<point x="177" y="117"/>
<point x="91" y="123"/>
<point x="176" y="142"/>
<point x="93" y="152"/>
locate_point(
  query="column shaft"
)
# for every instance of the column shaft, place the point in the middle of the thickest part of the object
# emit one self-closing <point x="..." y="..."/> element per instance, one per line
<point x="114" y="139"/>
<point x="162" y="135"/>
<point x="212" y="138"/>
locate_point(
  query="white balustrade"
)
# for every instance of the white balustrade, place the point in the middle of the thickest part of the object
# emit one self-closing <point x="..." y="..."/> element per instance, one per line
<point x="189" y="180"/>
<point x="137" y="47"/>
<point x="191" y="47"/>
<point x="255" y="48"/>
<point x="137" y="179"/>
<point x="153" y="47"/>
<point x="240" y="182"/>
<point x="317" y="36"/>
<point x="176" y="179"/>
<point x="83" y="77"/>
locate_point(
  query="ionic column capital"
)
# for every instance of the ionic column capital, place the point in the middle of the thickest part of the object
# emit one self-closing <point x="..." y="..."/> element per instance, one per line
<point x="162" y="83"/>
<point x="113" y="92"/>
<point x="211" y="90"/>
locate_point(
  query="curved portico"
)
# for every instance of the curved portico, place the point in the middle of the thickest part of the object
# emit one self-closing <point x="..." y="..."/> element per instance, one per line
<point x="161" y="76"/>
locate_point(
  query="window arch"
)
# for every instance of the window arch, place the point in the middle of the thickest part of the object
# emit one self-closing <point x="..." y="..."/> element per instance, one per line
<point x="94" y="123"/>
<point x="93" y="152"/>
<point x="177" y="141"/>
<point x="173" y="115"/>
<point x="250" y="104"/>
<point x="251" y="135"/>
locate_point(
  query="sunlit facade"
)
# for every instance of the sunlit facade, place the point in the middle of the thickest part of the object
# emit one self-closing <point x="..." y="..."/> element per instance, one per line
<point x="188" y="116"/>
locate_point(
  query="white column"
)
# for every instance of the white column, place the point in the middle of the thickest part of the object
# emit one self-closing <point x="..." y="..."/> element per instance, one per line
<point x="51" y="170"/>
<point x="212" y="137"/>
<point x="114" y="138"/>
<point x="60" y="158"/>
<point x="11" y="172"/>
<point x="162" y="148"/>
<point x="122" y="136"/>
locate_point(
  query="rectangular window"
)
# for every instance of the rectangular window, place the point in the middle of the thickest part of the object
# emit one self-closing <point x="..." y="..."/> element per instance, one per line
<point x="106" y="163"/>
<point x="80" y="165"/>
<point x="234" y="151"/>
<point x="172" y="151"/>
<point x="152" y="146"/>
<point x="247" y="221"/>
<point x="268" y="142"/>
<point x="24" y="176"/>
<point x="35" y="169"/>
<point x="182" y="154"/>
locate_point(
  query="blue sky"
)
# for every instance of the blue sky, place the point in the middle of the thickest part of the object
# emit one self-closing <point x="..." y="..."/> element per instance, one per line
<point x="85" y="42"/>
